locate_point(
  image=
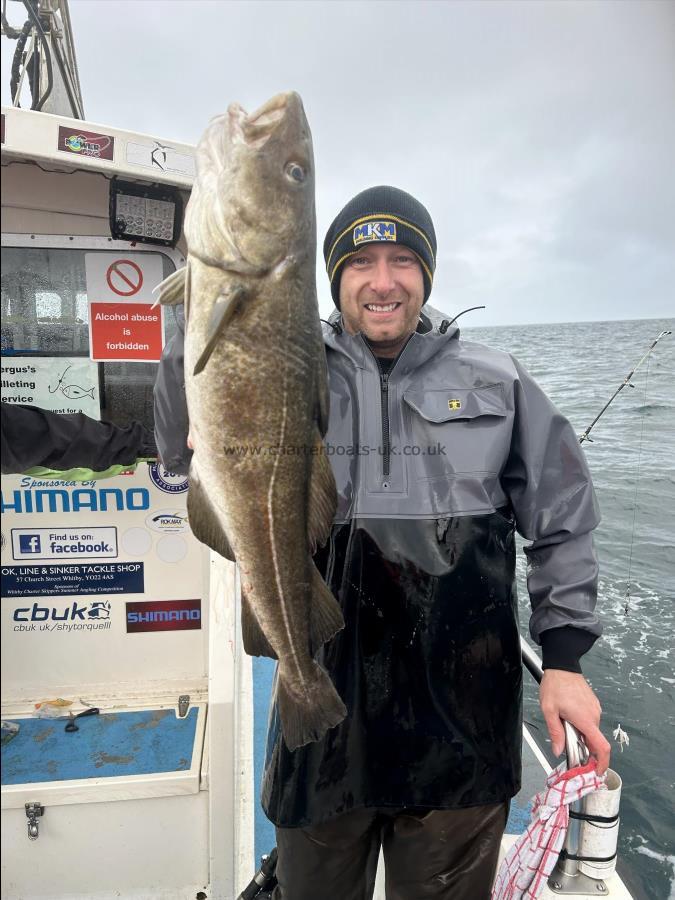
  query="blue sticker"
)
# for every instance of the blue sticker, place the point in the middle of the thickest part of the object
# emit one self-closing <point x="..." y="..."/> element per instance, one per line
<point x="166" y="481"/>
<point x="73" y="580"/>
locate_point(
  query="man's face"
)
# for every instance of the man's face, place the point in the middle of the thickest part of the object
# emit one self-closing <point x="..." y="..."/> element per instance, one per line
<point x="381" y="295"/>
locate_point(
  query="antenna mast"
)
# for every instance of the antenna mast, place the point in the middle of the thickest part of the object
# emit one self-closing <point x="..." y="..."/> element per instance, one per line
<point x="44" y="57"/>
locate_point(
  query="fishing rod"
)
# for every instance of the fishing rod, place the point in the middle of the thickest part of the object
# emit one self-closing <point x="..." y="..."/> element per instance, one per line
<point x="585" y="436"/>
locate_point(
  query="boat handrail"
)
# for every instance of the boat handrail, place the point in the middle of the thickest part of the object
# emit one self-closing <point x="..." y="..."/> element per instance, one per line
<point x="577" y="754"/>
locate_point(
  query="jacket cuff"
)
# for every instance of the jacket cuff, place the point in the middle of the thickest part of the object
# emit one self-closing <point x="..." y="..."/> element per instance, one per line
<point x="561" y="648"/>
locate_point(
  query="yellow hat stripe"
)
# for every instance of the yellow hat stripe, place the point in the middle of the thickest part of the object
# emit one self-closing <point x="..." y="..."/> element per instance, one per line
<point x="360" y="250"/>
<point x="341" y="260"/>
<point x="425" y="267"/>
<point x="386" y="217"/>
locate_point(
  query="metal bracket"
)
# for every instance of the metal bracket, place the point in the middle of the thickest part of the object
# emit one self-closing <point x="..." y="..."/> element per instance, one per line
<point x="560" y="883"/>
<point x="183" y="705"/>
<point x="33" y="812"/>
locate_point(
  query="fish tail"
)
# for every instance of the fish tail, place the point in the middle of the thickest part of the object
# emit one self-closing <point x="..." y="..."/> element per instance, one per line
<point x="325" y="615"/>
<point x="307" y="715"/>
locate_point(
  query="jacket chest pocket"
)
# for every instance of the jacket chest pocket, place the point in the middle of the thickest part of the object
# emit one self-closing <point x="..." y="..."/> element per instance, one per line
<point x="468" y="427"/>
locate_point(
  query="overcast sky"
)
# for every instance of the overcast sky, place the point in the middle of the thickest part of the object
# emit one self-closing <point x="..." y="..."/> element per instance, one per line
<point x="540" y="135"/>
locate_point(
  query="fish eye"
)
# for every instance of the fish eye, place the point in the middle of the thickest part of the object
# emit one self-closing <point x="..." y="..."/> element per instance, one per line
<point x="295" y="172"/>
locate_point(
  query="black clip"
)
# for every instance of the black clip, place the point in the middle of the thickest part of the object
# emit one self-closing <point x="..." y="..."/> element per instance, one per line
<point x="71" y="726"/>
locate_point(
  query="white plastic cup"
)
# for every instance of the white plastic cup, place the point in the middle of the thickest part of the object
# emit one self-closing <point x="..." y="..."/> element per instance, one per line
<point x="599" y="839"/>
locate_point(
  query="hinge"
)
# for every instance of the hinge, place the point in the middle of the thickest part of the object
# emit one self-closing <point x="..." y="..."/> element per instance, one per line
<point x="183" y="705"/>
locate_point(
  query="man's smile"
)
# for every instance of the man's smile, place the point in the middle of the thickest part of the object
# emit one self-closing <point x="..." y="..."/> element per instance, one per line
<point x="382" y="308"/>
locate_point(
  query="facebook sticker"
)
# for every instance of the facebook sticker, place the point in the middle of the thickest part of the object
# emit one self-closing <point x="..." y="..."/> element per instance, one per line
<point x="29" y="543"/>
<point x="65" y="544"/>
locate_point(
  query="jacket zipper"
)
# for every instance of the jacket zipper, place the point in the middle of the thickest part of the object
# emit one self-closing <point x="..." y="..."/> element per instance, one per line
<point x="384" y="405"/>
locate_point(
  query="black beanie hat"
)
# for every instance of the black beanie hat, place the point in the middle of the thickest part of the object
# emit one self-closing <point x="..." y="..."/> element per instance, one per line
<point x="381" y="213"/>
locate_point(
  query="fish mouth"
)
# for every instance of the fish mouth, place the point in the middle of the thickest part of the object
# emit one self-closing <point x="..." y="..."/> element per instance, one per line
<point x="256" y="129"/>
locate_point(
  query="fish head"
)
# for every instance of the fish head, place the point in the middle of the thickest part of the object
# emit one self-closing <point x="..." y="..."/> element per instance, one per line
<point x="252" y="206"/>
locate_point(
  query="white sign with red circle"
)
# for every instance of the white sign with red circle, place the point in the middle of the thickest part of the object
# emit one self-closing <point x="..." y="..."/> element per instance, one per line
<point x="123" y="325"/>
<point x="122" y="277"/>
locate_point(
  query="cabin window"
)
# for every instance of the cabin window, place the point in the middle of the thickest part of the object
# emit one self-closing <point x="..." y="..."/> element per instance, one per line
<point x="45" y="315"/>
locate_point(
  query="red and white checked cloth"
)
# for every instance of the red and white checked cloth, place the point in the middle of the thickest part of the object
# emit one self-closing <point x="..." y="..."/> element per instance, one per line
<point x="526" y="867"/>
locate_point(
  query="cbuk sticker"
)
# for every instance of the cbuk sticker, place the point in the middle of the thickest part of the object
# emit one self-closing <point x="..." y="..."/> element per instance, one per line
<point x="69" y="617"/>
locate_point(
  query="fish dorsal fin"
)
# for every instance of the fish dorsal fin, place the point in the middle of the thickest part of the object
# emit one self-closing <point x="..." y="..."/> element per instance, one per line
<point x="223" y="309"/>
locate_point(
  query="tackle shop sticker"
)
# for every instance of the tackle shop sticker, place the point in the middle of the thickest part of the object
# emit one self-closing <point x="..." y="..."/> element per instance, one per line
<point x="167" y="521"/>
<point x="72" y="580"/>
<point x="164" y="615"/>
<point x="86" y="143"/>
<point x="166" y="481"/>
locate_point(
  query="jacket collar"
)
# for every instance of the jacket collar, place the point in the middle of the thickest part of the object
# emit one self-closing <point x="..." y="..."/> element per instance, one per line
<point x="426" y="342"/>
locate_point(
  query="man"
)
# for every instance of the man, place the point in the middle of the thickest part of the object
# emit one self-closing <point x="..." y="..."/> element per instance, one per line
<point x="440" y="450"/>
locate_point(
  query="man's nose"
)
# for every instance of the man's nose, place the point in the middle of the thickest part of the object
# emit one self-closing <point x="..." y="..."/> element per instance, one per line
<point x="382" y="281"/>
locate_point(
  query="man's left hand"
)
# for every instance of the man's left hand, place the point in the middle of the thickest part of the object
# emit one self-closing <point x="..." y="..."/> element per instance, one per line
<point x="567" y="695"/>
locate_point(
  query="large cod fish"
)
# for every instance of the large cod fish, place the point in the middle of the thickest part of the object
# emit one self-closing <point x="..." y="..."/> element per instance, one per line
<point x="261" y="487"/>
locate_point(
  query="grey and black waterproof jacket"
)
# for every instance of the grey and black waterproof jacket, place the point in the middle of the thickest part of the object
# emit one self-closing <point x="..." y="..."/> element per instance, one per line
<point x="437" y="464"/>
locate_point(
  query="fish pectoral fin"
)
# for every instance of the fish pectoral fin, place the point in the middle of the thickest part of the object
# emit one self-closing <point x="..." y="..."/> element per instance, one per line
<point x="255" y="642"/>
<point x="322" y="500"/>
<point x="171" y="291"/>
<point x="204" y="523"/>
<point x="325" y="615"/>
<point x="221" y="314"/>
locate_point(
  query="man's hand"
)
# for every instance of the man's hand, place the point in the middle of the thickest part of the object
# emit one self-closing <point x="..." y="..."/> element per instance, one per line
<point x="567" y="695"/>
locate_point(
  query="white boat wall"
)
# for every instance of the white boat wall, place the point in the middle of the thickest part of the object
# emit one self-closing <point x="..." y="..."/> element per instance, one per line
<point x="108" y="599"/>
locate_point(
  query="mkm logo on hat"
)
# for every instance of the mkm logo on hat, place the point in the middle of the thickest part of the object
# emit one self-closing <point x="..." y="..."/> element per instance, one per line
<point x="374" y="231"/>
<point x="454" y="403"/>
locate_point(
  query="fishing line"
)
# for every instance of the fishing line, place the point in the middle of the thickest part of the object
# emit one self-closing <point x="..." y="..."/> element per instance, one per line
<point x="627" y="597"/>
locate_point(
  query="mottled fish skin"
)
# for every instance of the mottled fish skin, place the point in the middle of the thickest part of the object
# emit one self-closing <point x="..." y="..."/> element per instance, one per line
<point x="261" y="486"/>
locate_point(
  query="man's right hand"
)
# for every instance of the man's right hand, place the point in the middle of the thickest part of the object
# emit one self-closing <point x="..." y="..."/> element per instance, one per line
<point x="568" y="696"/>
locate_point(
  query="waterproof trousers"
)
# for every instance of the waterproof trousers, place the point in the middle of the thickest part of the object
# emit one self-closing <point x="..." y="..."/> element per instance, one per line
<point x="428" y="855"/>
